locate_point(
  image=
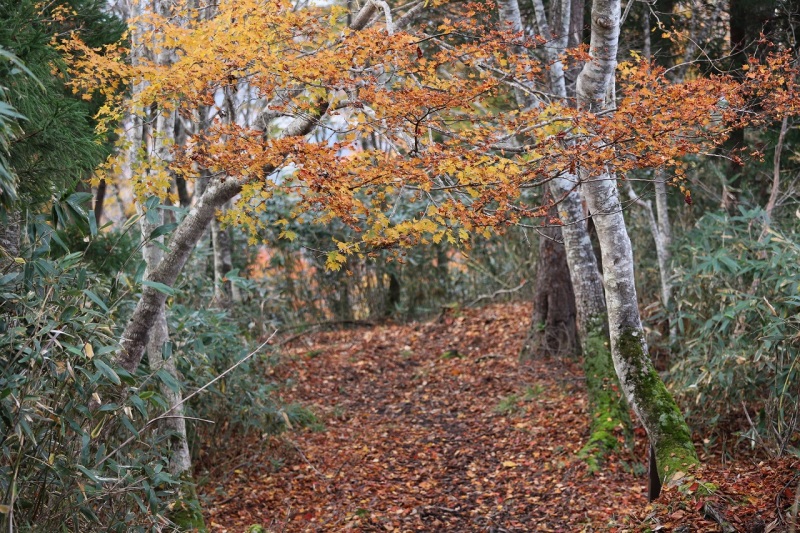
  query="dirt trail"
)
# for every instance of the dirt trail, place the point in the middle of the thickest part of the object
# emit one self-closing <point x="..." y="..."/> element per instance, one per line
<point x="427" y="427"/>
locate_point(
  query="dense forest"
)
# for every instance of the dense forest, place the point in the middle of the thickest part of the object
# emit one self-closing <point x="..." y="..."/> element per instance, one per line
<point x="442" y="265"/>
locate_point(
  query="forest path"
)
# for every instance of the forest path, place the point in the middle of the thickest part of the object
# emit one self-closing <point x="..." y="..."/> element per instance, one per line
<point x="430" y="426"/>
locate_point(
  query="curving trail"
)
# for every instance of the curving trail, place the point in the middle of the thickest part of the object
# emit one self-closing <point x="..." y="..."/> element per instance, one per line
<point x="427" y="427"/>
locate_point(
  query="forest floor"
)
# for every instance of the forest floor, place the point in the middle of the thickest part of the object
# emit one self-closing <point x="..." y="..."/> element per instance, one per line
<point x="437" y="426"/>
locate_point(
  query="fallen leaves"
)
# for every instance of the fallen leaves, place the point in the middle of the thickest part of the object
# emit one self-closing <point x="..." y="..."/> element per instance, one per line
<point x="413" y="440"/>
<point x="748" y="497"/>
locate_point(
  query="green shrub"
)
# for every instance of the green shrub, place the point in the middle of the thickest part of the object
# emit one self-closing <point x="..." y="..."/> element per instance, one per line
<point x="64" y="465"/>
<point x="208" y="342"/>
<point x="738" y="304"/>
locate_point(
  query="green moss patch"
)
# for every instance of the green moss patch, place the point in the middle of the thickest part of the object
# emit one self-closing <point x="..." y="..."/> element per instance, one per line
<point x="610" y="419"/>
<point x="669" y="432"/>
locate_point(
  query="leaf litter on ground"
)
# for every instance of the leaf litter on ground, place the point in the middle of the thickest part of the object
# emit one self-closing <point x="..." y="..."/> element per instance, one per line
<point x="433" y="426"/>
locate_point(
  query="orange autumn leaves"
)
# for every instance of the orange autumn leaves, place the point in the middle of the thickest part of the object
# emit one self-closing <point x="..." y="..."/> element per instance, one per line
<point x="418" y="140"/>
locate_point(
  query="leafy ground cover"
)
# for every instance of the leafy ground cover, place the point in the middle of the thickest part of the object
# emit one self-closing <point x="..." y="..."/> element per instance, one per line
<point x="437" y="426"/>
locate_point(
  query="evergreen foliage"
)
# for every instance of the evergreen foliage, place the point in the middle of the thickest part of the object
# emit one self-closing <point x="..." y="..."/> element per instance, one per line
<point x="55" y="146"/>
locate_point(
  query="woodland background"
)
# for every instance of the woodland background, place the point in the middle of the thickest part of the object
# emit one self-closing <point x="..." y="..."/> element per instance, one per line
<point x="396" y="217"/>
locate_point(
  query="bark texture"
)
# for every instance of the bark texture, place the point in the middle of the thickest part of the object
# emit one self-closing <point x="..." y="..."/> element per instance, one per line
<point x="224" y="291"/>
<point x="609" y="412"/>
<point x="180" y="460"/>
<point x="156" y="135"/>
<point x="557" y="40"/>
<point x="644" y="389"/>
<point x="512" y="20"/>
<point x="586" y="281"/>
<point x="553" y="329"/>
<point x="662" y="236"/>
<point x="222" y="265"/>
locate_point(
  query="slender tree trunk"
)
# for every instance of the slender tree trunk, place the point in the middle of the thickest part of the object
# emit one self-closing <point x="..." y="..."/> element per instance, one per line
<point x="662" y="237"/>
<point x="609" y="413"/>
<point x="191" y="229"/>
<point x="224" y="291"/>
<point x="180" y="460"/>
<point x="156" y="135"/>
<point x="646" y="29"/>
<point x="553" y="329"/>
<point x="99" y="200"/>
<point x="557" y="40"/>
<point x="222" y="265"/>
<point x="646" y="393"/>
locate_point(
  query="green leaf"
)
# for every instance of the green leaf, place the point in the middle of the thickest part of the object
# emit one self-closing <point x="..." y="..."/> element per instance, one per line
<point x="88" y="473"/>
<point x="151" y="214"/>
<point x="5" y="54"/>
<point x="168" y="380"/>
<point x="56" y="239"/>
<point x="92" y="224"/>
<point x="107" y="371"/>
<point x="160" y="287"/>
<point x="77" y="200"/>
<point x="166" y="350"/>
<point x="139" y="404"/>
<point x="128" y="425"/>
<point x="8" y="278"/>
<point x="58" y="215"/>
<point x="163" y="230"/>
<point x="96" y="299"/>
<point x="130" y="222"/>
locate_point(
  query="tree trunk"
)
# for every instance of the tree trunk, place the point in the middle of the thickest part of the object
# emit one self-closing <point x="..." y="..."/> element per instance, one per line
<point x="553" y="330"/>
<point x="662" y="237"/>
<point x="646" y="393"/>
<point x="224" y="291"/>
<point x="155" y="136"/>
<point x="99" y="200"/>
<point x="608" y="411"/>
<point x="222" y="265"/>
<point x="512" y="21"/>
<point x="159" y="358"/>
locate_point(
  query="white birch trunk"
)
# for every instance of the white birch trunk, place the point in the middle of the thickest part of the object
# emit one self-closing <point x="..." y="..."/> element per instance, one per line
<point x="180" y="460"/>
<point x="662" y="237"/>
<point x="157" y="135"/>
<point x="556" y="44"/>
<point x="646" y="393"/>
<point x="512" y="20"/>
<point x="609" y="413"/>
<point x="554" y="298"/>
<point x="225" y="293"/>
<point x="585" y="273"/>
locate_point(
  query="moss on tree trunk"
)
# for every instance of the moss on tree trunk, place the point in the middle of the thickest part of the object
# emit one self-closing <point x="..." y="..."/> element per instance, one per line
<point x="608" y="409"/>
<point x="668" y="431"/>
